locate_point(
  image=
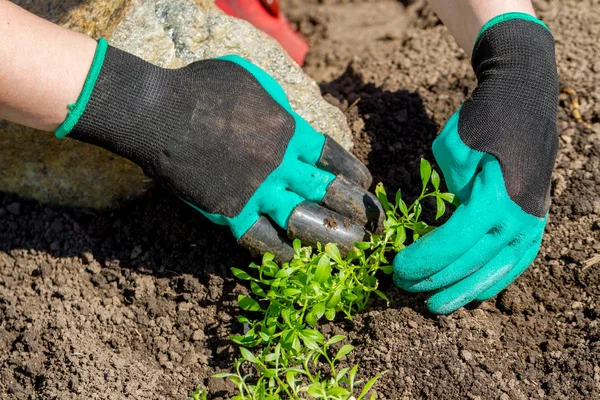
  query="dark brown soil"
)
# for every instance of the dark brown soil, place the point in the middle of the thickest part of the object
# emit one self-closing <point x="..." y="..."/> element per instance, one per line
<point x="138" y="303"/>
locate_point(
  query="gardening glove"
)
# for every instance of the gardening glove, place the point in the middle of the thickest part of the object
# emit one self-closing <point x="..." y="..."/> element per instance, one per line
<point x="496" y="154"/>
<point x="221" y="135"/>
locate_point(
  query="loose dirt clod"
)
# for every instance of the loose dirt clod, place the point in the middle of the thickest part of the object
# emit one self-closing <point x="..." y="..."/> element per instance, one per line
<point x="330" y="222"/>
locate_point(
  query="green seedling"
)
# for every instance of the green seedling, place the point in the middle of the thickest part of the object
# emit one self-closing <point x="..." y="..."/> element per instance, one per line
<point x="198" y="394"/>
<point x="282" y="352"/>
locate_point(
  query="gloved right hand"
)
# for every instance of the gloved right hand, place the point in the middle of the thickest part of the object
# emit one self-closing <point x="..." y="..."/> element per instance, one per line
<point x="496" y="154"/>
<point x="221" y="135"/>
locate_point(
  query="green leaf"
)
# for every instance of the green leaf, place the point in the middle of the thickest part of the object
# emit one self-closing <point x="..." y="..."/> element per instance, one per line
<point x="291" y="292"/>
<point x="319" y="310"/>
<point x="243" y="320"/>
<point x="243" y="340"/>
<point x="296" y="345"/>
<point x="267" y="257"/>
<point x="398" y="198"/>
<point x="425" y="172"/>
<point x="418" y="208"/>
<point x="369" y="384"/>
<point x="335" y="298"/>
<point x="248" y="304"/>
<point x="257" y="290"/>
<point x="247" y="355"/>
<point x="313" y="334"/>
<point x="315" y="391"/>
<point x="265" y="338"/>
<point x="330" y="314"/>
<point x="400" y="236"/>
<point x="341" y="374"/>
<point x="290" y="377"/>
<point x="350" y="297"/>
<point x="362" y="245"/>
<point x="310" y="319"/>
<point x="335" y="339"/>
<point x="323" y="270"/>
<point x="337" y="391"/>
<point x="403" y="208"/>
<point x="421" y="228"/>
<point x="435" y="179"/>
<point x="387" y="269"/>
<point x="310" y="343"/>
<point x="343" y="351"/>
<point x="198" y="394"/>
<point x="297" y="245"/>
<point x="285" y="272"/>
<point x="243" y="275"/>
<point x="441" y="207"/>
<point x="333" y="252"/>
<point x="271" y="357"/>
<point x="382" y="196"/>
<point x="223" y="375"/>
<point x="450" y="198"/>
<point x="352" y="375"/>
<point x="270" y="268"/>
<point x="382" y="295"/>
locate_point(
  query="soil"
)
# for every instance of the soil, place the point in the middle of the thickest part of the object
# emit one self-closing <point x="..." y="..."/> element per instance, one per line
<point x="138" y="303"/>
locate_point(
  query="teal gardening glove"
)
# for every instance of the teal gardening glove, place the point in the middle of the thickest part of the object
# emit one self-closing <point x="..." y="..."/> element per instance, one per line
<point x="496" y="153"/>
<point x="221" y="135"/>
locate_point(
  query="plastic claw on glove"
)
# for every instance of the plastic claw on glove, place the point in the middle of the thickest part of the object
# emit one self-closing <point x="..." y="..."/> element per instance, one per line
<point x="348" y="213"/>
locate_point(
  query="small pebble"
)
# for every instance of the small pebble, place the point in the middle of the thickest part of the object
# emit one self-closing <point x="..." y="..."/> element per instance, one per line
<point x="137" y="250"/>
<point x="466" y="355"/>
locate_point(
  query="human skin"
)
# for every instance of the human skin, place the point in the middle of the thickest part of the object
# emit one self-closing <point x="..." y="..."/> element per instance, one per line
<point x="465" y="18"/>
<point x="42" y="68"/>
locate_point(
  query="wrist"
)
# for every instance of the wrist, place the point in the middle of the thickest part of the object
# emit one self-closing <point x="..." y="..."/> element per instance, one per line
<point x="515" y="51"/>
<point x="76" y="109"/>
<point x="500" y="18"/>
<point x="466" y="18"/>
<point x="123" y="107"/>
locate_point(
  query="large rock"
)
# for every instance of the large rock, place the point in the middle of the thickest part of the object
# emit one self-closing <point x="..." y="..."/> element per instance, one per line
<point x="168" y="33"/>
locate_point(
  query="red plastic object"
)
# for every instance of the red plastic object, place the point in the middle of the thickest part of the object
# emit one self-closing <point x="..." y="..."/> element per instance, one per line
<point x="265" y="15"/>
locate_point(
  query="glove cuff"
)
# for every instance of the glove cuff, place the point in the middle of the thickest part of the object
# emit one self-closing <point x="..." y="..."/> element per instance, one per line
<point x="76" y="109"/>
<point x="506" y="17"/>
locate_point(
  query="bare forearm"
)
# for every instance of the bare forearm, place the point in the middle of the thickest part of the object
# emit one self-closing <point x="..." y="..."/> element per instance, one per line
<point x="465" y="18"/>
<point x="42" y="68"/>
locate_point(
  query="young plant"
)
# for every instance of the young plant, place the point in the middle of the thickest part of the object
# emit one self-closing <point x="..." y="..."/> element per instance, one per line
<point x="290" y="358"/>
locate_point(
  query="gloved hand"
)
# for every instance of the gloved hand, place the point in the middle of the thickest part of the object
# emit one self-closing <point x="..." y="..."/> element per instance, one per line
<point x="496" y="153"/>
<point x="221" y="135"/>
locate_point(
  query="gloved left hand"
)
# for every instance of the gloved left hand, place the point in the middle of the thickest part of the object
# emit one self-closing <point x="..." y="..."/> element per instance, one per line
<point x="221" y="135"/>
